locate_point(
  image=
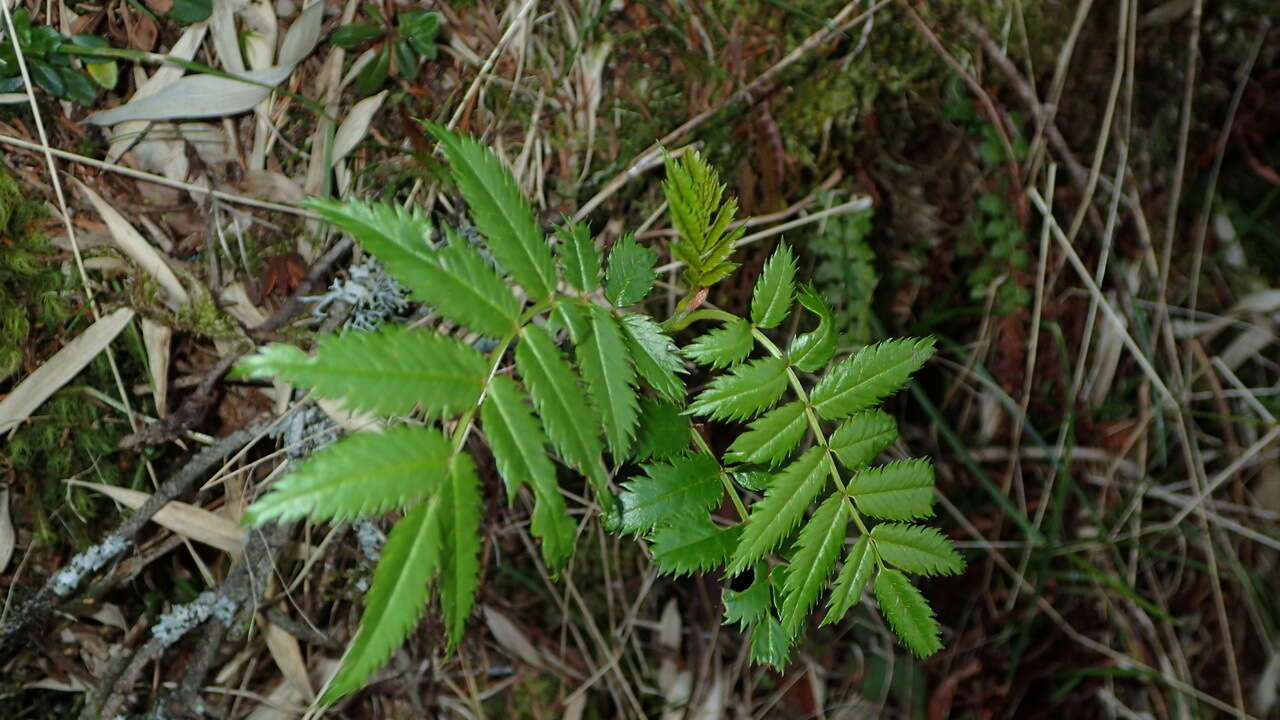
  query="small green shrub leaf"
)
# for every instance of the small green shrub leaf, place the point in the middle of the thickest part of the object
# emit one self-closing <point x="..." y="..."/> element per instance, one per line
<point x="813" y="562"/>
<point x="692" y="543"/>
<point x="867" y="377"/>
<point x="908" y="612"/>
<point x="724" y="346"/>
<point x="748" y="606"/>
<point x="705" y="242"/>
<point x="518" y="443"/>
<point x="630" y="274"/>
<point x="813" y="350"/>
<point x="396" y="598"/>
<point x="851" y="581"/>
<point x="771" y="299"/>
<point x="862" y="437"/>
<point x="460" y="552"/>
<point x="603" y="358"/>
<point x="388" y="372"/>
<point x="744" y="392"/>
<point x="784" y="503"/>
<point x="360" y="475"/>
<point x="579" y="258"/>
<point x="662" y="432"/>
<point x="900" y="490"/>
<point x="500" y="212"/>
<point x="682" y="486"/>
<point x="916" y="549"/>
<point x="770" y="644"/>
<point x="772" y="437"/>
<point x="653" y="354"/>
<point x="560" y="402"/>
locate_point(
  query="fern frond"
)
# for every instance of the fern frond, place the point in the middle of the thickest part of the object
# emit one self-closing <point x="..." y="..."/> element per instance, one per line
<point x="684" y="485"/>
<point x="652" y="353"/>
<point x="851" y="581"/>
<point x="517" y="442"/>
<point x="772" y="437"/>
<point x="630" y="274"/>
<point x="901" y="490"/>
<point x="813" y="562"/>
<point x="748" y="606"/>
<point x="388" y="372"/>
<point x="813" y="350"/>
<point x="770" y="644"/>
<point x="862" y="437"/>
<point x="692" y="543"/>
<point x="908" y="612"/>
<point x="500" y="212"/>
<point x="560" y="402"/>
<point x="724" y="346"/>
<point x="579" y="258"/>
<point x="603" y="359"/>
<point x="784" y="503"/>
<point x="662" y="432"/>
<point x="867" y="377"/>
<point x="916" y="549"/>
<point x="744" y="392"/>
<point x="360" y="475"/>
<point x="396" y="598"/>
<point x="694" y="193"/>
<point x="460" y="551"/>
<point x="771" y="299"/>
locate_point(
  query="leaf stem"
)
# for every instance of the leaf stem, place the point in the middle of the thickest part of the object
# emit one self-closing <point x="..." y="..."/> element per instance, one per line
<point x="724" y="474"/>
<point x="816" y="427"/>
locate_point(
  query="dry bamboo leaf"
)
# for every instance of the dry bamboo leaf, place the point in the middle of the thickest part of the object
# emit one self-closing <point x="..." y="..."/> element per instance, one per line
<point x="139" y="250"/>
<point x="356" y="125"/>
<point x="674" y="682"/>
<point x="261" y="26"/>
<point x="58" y="370"/>
<point x="512" y="639"/>
<point x="182" y="518"/>
<point x="285" y="651"/>
<point x="109" y="614"/>
<point x="8" y="540"/>
<point x="156" y="338"/>
<point x="124" y="136"/>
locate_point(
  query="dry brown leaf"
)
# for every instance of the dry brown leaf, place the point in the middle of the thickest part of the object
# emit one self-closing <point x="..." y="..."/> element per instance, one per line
<point x="8" y="540"/>
<point x="182" y="518"/>
<point x="139" y="250"/>
<point x="511" y="638"/>
<point x="58" y="370"/>
<point x="156" y="338"/>
<point x="285" y="651"/>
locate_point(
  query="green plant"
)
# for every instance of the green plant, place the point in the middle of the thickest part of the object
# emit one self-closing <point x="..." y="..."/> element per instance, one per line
<point x="49" y="65"/>
<point x="633" y="420"/>
<point x="409" y="41"/>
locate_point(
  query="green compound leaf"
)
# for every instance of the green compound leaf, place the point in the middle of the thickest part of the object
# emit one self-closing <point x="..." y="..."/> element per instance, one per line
<point x="869" y="376"/>
<point x="603" y="358"/>
<point x="396" y="598"/>
<point x="772" y="437"/>
<point x="560" y="401"/>
<point x="724" y="346"/>
<point x="460" y="553"/>
<point x="570" y="315"/>
<point x="908" y="612"/>
<point x="360" y="475"/>
<point x="518" y="443"/>
<point x="784" y="503"/>
<point x="813" y="350"/>
<point x="747" y="607"/>
<point x="456" y="280"/>
<point x="388" y="372"/>
<point x="662" y="432"/>
<point x="579" y="258"/>
<point x="916" y="549"/>
<point x="771" y="299"/>
<point x="500" y="212"/>
<point x="682" y="486"/>
<point x="770" y="644"/>
<point x="692" y="543"/>
<point x="900" y="490"/>
<point x="630" y="275"/>
<point x="813" y="562"/>
<point x="862" y="437"/>
<point x="653" y="354"/>
<point x="851" y="581"/>
<point x="705" y="241"/>
<point x="744" y="392"/>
